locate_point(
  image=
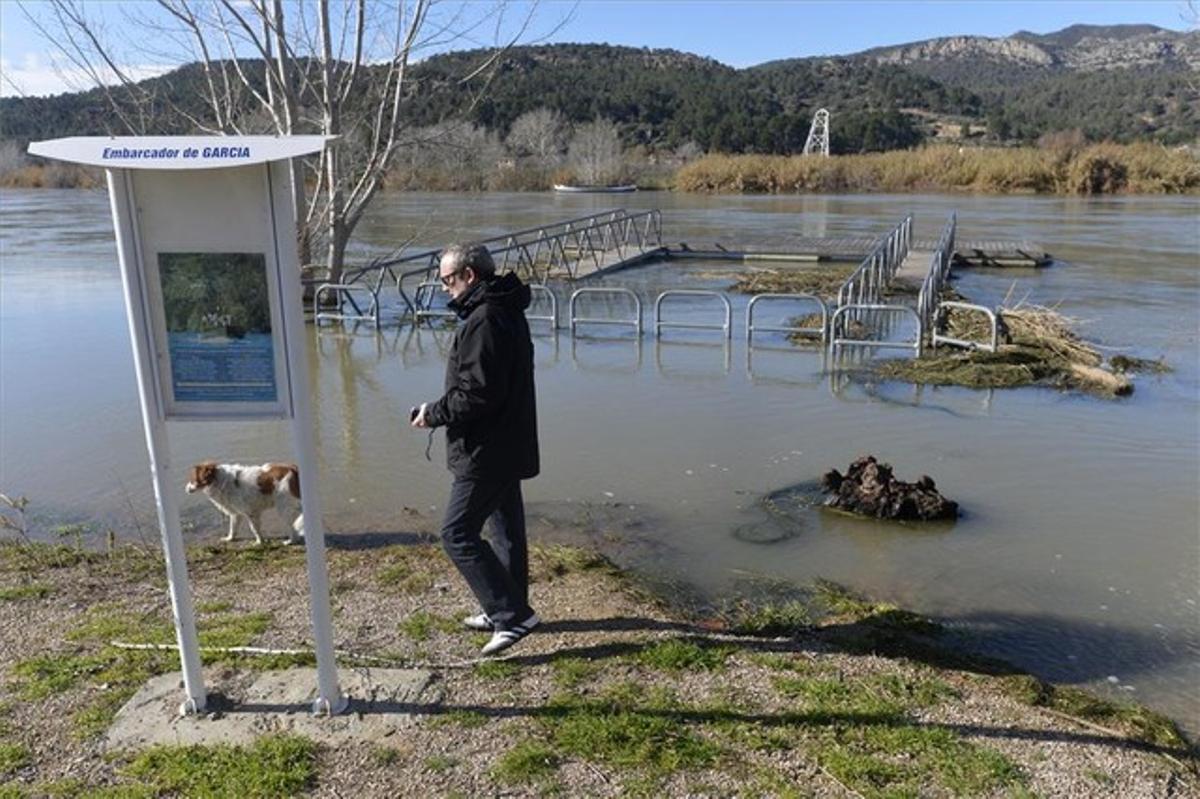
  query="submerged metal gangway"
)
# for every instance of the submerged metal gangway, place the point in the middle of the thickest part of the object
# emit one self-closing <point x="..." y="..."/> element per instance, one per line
<point x="570" y="249"/>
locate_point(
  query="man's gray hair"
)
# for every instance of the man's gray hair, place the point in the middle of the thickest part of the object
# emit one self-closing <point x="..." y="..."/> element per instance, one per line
<point x="475" y="256"/>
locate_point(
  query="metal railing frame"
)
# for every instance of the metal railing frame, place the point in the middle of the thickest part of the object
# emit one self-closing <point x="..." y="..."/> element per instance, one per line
<point x="659" y="324"/>
<point x="751" y="328"/>
<point x="936" y="338"/>
<point x="576" y="320"/>
<point x="866" y="283"/>
<point x="553" y="317"/>
<point x="836" y="341"/>
<point x="938" y="274"/>
<point x="565" y="248"/>
<point x="344" y="293"/>
<point x="427" y="312"/>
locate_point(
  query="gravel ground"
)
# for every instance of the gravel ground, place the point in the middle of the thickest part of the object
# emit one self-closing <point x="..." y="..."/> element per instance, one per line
<point x="399" y="601"/>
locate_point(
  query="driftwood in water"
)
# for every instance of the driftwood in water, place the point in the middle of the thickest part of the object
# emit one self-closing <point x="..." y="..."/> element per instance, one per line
<point x="869" y="488"/>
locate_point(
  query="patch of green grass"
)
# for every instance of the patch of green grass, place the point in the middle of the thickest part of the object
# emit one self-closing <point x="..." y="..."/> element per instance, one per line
<point x="439" y="763"/>
<point x="273" y="766"/>
<point x="420" y="625"/>
<point x="232" y="629"/>
<point x="912" y="692"/>
<point x="629" y="728"/>
<point x="404" y="575"/>
<point x="557" y="560"/>
<point x="1135" y="721"/>
<point x="104" y="623"/>
<point x="45" y="675"/>
<point x="527" y="762"/>
<point x="214" y="607"/>
<point x="572" y="672"/>
<point x="497" y="669"/>
<point x="1099" y="777"/>
<point x="12" y="757"/>
<point x="92" y="720"/>
<point x="467" y="719"/>
<point x="834" y="697"/>
<point x="20" y="556"/>
<point x="27" y="591"/>
<point x="674" y="654"/>
<point x="778" y="661"/>
<point x="385" y="755"/>
<point x="786" y="619"/>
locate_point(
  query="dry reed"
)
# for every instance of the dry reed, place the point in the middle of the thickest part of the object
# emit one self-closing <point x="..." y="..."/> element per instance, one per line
<point x="1091" y="169"/>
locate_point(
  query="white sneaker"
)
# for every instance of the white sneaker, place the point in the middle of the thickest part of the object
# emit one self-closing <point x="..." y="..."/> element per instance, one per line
<point x="479" y="621"/>
<point x="503" y="639"/>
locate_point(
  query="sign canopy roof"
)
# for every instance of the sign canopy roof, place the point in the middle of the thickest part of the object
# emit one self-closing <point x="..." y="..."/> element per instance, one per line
<point x="177" y="152"/>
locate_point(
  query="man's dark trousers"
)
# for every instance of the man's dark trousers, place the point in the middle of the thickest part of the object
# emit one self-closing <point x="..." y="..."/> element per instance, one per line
<point x="498" y="573"/>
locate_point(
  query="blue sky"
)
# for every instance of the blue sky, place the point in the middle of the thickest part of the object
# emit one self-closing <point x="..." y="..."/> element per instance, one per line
<point x="736" y="33"/>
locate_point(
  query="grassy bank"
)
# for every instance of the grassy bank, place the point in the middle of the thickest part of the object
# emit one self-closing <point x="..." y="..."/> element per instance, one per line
<point x="1086" y="169"/>
<point x="818" y="693"/>
<point x="1092" y="169"/>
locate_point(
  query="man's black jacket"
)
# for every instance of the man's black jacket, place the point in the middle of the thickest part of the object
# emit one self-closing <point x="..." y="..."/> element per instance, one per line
<point x="489" y="408"/>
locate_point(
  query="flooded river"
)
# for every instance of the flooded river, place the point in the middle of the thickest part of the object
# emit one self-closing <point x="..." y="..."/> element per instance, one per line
<point x="1078" y="555"/>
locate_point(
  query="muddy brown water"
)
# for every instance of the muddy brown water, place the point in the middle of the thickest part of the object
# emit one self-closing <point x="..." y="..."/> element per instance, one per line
<point x="1078" y="555"/>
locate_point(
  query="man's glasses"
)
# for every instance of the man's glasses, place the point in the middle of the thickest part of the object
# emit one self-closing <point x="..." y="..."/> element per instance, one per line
<point x="448" y="280"/>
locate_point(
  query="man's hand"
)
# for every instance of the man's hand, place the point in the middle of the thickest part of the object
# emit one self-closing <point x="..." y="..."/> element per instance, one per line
<point x="418" y="419"/>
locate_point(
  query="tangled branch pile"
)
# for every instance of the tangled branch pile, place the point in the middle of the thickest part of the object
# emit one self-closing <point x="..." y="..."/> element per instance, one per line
<point x="1038" y="345"/>
<point x="823" y="281"/>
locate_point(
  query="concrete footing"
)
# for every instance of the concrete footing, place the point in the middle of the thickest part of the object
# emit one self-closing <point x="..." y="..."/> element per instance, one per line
<point x="382" y="702"/>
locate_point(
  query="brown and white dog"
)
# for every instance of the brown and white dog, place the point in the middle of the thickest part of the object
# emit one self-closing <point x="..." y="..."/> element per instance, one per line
<point x="244" y="492"/>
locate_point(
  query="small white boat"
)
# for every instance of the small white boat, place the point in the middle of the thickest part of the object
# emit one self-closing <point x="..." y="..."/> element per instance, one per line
<point x="594" y="189"/>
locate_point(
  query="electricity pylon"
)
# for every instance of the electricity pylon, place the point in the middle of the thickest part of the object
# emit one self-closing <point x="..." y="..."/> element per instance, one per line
<point x="818" y="134"/>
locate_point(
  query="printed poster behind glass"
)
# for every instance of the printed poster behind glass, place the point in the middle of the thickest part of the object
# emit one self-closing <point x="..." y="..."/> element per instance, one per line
<point x="222" y="347"/>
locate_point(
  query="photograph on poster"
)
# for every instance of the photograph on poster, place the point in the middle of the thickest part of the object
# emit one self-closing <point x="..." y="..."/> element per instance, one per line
<point x="218" y="319"/>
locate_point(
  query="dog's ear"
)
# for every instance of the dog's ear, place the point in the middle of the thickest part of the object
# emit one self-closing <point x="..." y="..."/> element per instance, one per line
<point x="203" y="474"/>
<point x="294" y="484"/>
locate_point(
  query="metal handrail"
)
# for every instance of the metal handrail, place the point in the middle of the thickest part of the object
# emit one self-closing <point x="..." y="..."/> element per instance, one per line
<point x="866" y="283"/>
<point x="637" y="304"/>
<point x="427" y="312"/>
<point x="936" y="338"/>
<point x="939" y="272"/>
<point x="586" y="237"/>
<point x="659" y="324"/>
<point x="425" y="254"/>
<point x="751" y="328"/>
<point x="837" y="341"/>
<point x="553" y="317"/>
<point x="343" y="293"/>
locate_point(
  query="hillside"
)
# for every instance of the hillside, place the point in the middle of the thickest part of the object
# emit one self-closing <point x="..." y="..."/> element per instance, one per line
<point x="1125" y="83"/>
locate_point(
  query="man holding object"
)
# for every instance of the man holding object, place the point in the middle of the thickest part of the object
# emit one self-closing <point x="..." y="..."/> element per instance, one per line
<point x="489" y="411"/>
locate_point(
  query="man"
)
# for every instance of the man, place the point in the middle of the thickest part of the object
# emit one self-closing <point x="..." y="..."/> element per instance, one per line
<point x="489" y="412"/>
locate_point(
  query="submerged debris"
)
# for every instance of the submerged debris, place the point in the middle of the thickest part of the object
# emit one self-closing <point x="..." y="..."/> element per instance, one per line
<point x="1127" y="363"/>
<point x="869" y="488"/>
<point x="824" y="281"/>
<point x="1038" y="346"/>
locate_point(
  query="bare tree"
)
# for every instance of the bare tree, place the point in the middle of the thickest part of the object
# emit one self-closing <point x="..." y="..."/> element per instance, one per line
<point x="335" y="67"/>
<point x="595" y="152"/>
<point x="540" y="134"/>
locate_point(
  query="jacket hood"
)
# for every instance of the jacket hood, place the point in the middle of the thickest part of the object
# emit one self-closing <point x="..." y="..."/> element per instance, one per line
<point x="506" y="290"/>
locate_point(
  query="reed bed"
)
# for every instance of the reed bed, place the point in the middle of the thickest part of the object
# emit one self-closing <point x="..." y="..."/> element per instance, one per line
<point x="1090" y="169"/>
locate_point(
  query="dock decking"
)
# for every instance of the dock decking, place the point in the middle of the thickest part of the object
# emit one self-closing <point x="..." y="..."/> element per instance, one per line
<point x="992" y="253"/>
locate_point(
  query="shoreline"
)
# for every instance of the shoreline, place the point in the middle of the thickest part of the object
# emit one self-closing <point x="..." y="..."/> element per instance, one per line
<point x="1101" y="169"/>
<point x="620" y="693"/>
